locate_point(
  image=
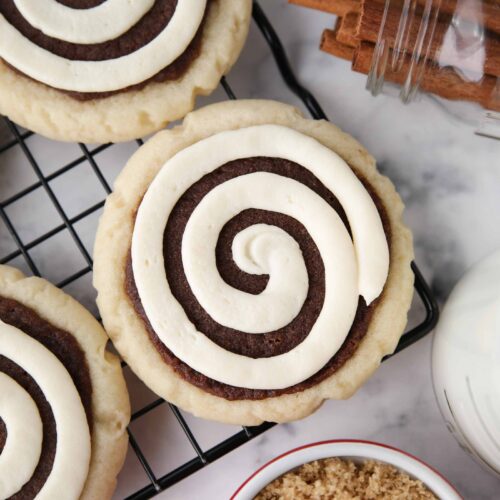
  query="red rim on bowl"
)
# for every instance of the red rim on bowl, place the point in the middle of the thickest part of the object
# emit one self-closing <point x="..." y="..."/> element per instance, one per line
<point x="430" y="469"/>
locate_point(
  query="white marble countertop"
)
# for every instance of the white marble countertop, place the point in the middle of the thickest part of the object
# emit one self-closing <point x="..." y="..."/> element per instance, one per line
<point x="450" y="181"/>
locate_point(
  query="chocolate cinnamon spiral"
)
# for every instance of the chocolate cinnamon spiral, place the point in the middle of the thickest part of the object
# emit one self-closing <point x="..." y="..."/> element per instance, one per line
<point x="97" y="47"/>
<point x="272" y="195"/>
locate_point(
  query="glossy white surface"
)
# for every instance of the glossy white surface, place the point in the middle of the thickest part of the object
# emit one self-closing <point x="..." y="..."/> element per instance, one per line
<point x="355" y="451"/>
<point x="449" y="180"/>
<point x="466" y="362"/>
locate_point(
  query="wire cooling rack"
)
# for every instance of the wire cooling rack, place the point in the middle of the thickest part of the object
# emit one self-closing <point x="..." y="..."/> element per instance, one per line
<point x="67" y="223"/>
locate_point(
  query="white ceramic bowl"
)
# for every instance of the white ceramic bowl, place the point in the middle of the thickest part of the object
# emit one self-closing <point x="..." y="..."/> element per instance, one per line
<point x="348" y="449"/>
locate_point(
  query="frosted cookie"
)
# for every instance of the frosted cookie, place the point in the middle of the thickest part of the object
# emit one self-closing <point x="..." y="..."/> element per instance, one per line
<point x="252" y="263"/>
<point x="63" y="401"/>
<point x="113" y="70"/>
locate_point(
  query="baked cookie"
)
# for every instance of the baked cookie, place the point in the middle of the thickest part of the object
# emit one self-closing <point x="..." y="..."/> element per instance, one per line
<point x="252" y="263"/>
<point x="113" y="70"/>
<point x="64" y="405"/>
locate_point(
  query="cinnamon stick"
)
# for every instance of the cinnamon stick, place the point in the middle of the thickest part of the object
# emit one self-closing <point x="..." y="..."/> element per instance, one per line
<point x="449" y="72"/>
<point x="337" y="7"/>
<point x="347" y="29"/>
<point x="443" y="46"/>
<point x="444" y="82"/>
<point x="487" y="12"/>
<point x="330" y="44"/>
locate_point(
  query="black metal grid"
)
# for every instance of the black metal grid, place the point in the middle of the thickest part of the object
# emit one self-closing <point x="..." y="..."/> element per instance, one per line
<point x="203" y="457"/>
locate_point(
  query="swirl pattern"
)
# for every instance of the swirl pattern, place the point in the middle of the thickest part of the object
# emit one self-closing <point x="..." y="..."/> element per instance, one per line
<point x="46" y="431"/>
<point x="278" y="279"/>
<point x="21" y="451"/>
<point x="98" y="24"/>
<point x="89" y="28"/>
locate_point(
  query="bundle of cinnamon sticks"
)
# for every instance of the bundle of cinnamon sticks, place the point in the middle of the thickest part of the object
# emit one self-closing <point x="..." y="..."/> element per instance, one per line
<point x="451" y="71"/>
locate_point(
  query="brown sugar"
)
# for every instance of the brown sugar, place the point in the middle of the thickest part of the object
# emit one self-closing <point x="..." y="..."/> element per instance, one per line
<point x="339" y="479"/>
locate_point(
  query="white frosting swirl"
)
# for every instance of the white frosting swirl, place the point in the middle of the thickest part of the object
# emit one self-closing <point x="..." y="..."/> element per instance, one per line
<point x="270" y="251"/>
<point x="106" y="75"/>
<point x="72" y="456"/>
<point x="86" y="26"/>
<point x="23" y="446"/>
<point x="351" y="267"/>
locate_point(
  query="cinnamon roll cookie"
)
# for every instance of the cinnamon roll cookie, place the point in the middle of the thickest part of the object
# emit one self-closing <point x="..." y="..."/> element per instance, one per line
<point x="113" y="70"/>
<point x="252" y="263"/>
<point x="63" y="401"/>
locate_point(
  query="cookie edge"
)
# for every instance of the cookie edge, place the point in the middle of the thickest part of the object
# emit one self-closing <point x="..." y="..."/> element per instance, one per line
<point x="123" y="324"/>
<point x="54" y="114"/>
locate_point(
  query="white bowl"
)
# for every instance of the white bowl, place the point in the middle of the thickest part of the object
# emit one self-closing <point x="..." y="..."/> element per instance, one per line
<point x="349" y="449"/>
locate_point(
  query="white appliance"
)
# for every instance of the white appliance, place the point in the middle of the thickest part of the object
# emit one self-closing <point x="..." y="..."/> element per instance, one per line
<point x="466" y="362"/>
